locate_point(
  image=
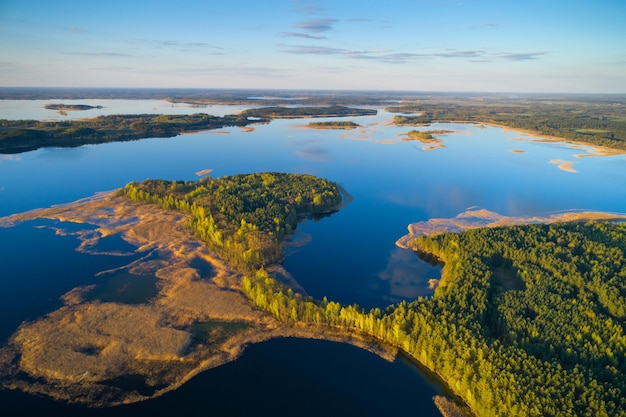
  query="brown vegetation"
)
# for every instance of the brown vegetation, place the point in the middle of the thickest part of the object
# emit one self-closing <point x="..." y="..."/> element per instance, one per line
<point x="87" y="352"/>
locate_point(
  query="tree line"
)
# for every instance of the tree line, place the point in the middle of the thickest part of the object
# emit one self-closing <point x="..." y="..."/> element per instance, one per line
<point x="277" y="112"/>
<point x="25" y="135"/>
<point x="551" y="344"/>
<point x="602" y="124"/>
<point x="527" y="321"/>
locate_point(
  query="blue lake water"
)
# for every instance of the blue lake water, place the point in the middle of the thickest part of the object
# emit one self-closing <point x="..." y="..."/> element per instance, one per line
<point x="351" y="257"/>
<point x="36" y="109"/>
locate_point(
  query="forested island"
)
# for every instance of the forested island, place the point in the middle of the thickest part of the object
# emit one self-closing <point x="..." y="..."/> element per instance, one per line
<point x="71" y="107"/>
<point x="26" y="135"/>
<point x="527" y="320"/>
<point x="347" y="125"/>
<point x="244" y="218"/>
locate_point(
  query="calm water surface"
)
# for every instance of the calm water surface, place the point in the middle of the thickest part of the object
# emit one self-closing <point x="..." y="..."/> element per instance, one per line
<point x="36" y="109"/>
<point x="351" y="256"/>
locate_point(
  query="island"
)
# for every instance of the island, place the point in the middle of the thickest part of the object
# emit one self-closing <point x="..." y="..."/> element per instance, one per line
<point x="427" y="138"/>
<point x="26" y="135"/>
<point x="71" y="107"/>
<point x="244" y="218"/>
<point x="348" y="125"/>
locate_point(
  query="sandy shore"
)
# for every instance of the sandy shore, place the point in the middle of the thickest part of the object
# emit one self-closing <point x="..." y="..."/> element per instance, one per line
<point x="431" y="144"/>
<point x="475" y="218"/>
<point x="594" y="150"/>
<point x="204" y="172"/>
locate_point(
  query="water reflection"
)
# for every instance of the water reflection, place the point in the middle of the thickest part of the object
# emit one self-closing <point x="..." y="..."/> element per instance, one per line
<point x="407" y="276"/>
<point x="63" y="154"/>
<point x="35" y="109"/>
<point x="314" y="153"/>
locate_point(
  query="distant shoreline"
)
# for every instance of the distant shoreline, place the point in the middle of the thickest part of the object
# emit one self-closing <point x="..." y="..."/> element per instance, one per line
<point x="598" y="150"/>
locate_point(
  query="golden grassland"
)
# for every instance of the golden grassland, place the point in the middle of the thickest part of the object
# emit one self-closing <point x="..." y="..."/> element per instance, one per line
<point x="80" y="352"/>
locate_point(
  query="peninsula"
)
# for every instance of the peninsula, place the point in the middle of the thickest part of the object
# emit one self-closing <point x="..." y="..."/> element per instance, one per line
<point x="18" y="136"/>
<point x="101" y="353"/>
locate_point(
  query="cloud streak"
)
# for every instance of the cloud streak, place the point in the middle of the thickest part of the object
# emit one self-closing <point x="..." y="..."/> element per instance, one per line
<point x="226" y="70"/>
<point x="314" y="153"/>
<point x="172" y="43"/>
<point x="307" y="8"/>
<point x="316" y="25"/>
<point x="301" y="35"/>
<point x="106" y="54"/>
<point x="386" y="56"/>
<point x="325" y="50"/>
<point x="521" y="56"/>
<point x="77" y="30"/>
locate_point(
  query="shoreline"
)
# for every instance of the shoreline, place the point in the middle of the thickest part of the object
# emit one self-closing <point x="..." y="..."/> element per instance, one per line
<point x="597" y="150"/>
<point x="475" y="218"/>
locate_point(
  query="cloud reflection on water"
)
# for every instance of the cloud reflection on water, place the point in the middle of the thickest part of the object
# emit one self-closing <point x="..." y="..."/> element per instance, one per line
<point x="407" y="275"/>
<point x="314" y="153"/>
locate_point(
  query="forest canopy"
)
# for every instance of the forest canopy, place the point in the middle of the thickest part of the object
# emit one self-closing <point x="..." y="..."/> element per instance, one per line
<point x="597" y="123"/>
<point x="26" y="135"/>
<point x="243" y="217"/>
<point x="527" y="321"/>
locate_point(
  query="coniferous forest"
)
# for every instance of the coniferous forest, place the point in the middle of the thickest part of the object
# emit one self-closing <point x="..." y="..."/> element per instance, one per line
<point x="527" y="321"/>
<point x="243" y="217"/>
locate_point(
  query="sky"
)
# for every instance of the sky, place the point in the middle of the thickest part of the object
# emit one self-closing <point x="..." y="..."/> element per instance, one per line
<point x="538" y="46"/>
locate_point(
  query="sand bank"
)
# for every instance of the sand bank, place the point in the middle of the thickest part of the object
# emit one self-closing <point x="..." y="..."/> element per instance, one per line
<point x="474" y="218"/>
<point x="592" y="150"/>
<point x="204" y="172"/>
<point x="566" y="166"/>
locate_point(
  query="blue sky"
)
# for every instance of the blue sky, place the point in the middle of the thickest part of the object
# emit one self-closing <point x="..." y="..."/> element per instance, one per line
<point x="424" y="45"/>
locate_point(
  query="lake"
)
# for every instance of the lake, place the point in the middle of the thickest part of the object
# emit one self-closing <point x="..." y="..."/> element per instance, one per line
<point x="350" y="256"/>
